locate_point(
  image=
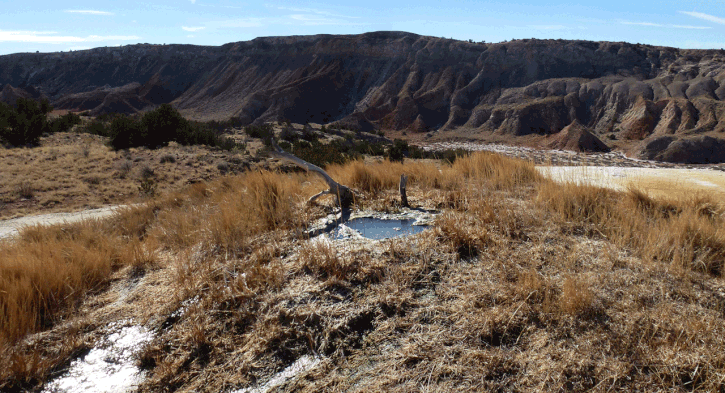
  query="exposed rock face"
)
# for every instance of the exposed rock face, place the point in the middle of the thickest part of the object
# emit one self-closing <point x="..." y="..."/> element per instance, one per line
<point x="10" y="95"/>
<point x="401" y="81"/>
<point x="576" y="137"/>
<point x="694" y="150"/>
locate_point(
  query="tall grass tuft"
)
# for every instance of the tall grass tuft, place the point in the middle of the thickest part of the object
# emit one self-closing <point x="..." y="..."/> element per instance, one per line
<point x="48" y="269"/>
<point x="686" y="233"/>
<point x="497" y="171"/>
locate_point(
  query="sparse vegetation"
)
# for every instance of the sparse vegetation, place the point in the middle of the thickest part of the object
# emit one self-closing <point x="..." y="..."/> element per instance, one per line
<point x="54" y="171"/>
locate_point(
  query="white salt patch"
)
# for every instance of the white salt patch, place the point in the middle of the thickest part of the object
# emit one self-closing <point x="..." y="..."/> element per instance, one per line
<point x="301" y="365"/>
<point x="108" y="368"/>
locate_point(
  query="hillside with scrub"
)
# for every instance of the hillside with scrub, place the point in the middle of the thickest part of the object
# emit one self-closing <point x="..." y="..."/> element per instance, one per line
<point x="519" y="283"/>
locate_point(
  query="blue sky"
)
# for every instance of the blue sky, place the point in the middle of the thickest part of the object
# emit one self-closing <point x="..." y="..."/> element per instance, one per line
<point x="49" y="26"/>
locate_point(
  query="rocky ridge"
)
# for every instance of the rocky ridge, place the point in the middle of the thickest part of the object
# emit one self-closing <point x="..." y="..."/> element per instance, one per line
<point x="629" y="96"/>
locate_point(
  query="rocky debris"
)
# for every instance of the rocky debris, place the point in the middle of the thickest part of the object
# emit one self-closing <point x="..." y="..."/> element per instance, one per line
<point x="401" y="81"/>
<point x="576" y="137"/>
<point x="559" y="157"/>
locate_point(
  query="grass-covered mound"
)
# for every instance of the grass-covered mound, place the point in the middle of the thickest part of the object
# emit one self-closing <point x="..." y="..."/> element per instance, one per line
<point x="522" y="285"/>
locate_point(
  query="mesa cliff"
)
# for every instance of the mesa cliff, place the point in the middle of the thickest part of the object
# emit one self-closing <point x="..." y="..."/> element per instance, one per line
<point x="653" y="102"/>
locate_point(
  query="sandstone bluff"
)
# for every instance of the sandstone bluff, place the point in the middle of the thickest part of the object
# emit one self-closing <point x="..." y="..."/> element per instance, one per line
<point x="652" y="102"/>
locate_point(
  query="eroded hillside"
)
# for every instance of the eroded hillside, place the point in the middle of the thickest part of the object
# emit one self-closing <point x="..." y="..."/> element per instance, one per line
<point x="621" y="93"/>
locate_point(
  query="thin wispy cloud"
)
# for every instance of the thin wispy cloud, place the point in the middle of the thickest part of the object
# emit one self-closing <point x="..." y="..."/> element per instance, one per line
<point x="220" y="6"/>
<point x="287" y="20"/>
<point x="642" y="24"/>
<point x="691" y="27"/>
<point x="196" y="28"/>
<point x="315" y="11"/>
<point x="242" y="22"/>
<point x="650" y="24"/>
<point x="314" y="20"/>
<point x="89" y="12"/>
<point x="548" y="27"/>
<point x="42" y="37"/>
<point x="706" y="17"/>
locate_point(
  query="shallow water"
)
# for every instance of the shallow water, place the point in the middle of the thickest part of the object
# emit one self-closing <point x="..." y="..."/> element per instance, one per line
<point x="110" y="367"/>
<point x="377" y="228"/>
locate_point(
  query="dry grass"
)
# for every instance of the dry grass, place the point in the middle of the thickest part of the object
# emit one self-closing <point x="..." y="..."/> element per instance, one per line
<point x="489" y="170"/>
<point x="687" y="233"/>
<point x="45" y="271"/>
<point x="70" y="171"/>
<point x="523" y="285"/>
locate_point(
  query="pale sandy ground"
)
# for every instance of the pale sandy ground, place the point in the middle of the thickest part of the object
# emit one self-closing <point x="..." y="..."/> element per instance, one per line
<point x="10" y="227"/>
<point x="674" y="182"/>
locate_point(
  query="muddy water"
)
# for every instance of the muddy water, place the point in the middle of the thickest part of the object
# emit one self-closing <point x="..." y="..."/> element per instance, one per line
<point x="373" y="225"/>
<point x="377" y="228"/>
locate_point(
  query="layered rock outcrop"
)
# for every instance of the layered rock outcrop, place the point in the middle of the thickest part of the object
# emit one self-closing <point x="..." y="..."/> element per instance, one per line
<point x="395" y="80"/>
<point x="576" y="137"/>
<point x="9" y="95"/>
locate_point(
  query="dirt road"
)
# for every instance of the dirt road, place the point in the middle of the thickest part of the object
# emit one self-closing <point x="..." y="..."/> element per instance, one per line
<point x="10" y="228"/>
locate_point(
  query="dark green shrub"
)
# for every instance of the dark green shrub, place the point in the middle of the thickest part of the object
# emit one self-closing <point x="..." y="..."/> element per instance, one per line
<point x="64" y="123"/>
<point x="96" y="127"/>
<point x="161" y="126"/>
<point x="398" y="150"/>
<point x="25" y="123"/>
<point x="165" y="124"/>
<point x="126" y="132"/>
<point x="320" y="154"/>
<point x="263" y="132"/>
<point x="106" y="117"/>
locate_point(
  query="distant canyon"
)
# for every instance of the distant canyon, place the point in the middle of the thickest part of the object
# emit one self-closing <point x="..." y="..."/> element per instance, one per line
<point x="650" y="102"/>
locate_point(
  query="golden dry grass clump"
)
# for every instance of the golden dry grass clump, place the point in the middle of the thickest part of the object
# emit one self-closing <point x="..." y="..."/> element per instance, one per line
<point x="522" y="285"/>
<point x="687" y="233"/>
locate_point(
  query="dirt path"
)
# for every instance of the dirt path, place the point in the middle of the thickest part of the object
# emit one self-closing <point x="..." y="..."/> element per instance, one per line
<point x="11" y="227"/>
